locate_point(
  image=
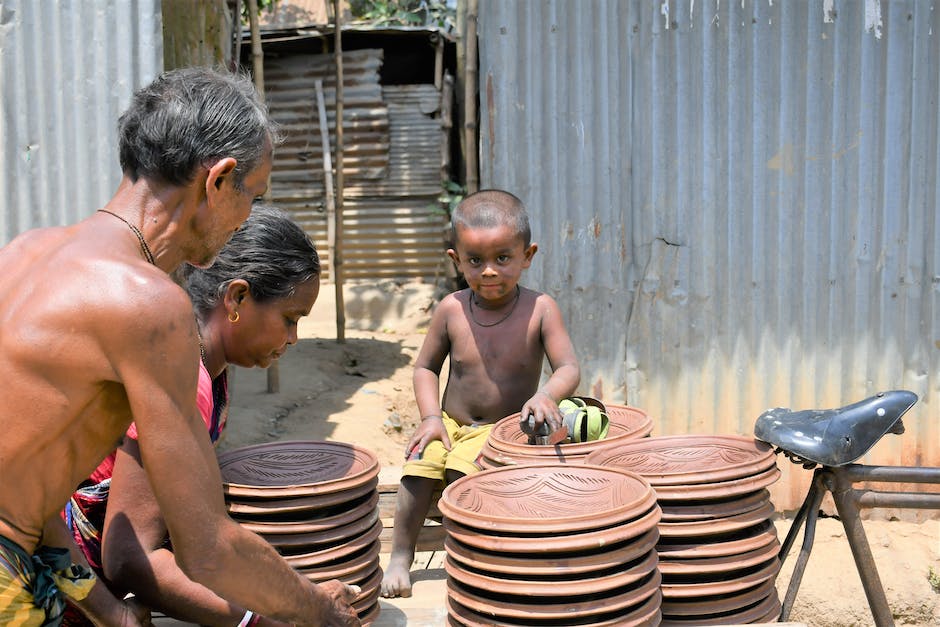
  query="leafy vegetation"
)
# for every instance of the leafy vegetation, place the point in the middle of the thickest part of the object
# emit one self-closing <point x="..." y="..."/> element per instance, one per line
<point x="438" y="13"/>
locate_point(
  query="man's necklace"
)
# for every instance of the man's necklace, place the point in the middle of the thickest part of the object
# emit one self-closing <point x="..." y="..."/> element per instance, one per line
<point x="140" y="236"/>
<point x="515" y="301"/>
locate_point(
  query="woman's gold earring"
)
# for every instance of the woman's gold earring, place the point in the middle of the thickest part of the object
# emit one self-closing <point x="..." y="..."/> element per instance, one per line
<point x="233" y="317"/>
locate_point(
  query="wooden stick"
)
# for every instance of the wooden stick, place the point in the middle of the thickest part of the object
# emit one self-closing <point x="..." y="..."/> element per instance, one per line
<point x="327" y="175"/>
<point x="338" y="260"/>
<point x="470" y="98"/>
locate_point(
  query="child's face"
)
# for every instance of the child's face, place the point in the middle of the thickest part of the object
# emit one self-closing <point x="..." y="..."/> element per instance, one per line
<point x="491" y="260"/>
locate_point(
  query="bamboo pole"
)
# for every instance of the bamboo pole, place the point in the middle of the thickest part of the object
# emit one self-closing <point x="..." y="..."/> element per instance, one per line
<point x="338" y="114"/>
<point x="327" y="172"/>
<point x="470" y="100"/>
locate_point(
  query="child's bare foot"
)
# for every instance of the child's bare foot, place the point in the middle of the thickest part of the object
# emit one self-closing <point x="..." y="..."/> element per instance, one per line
<point x="397" y="579"/>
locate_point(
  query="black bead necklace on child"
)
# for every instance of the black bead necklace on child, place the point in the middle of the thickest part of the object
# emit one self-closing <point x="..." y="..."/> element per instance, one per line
<point x="515" y="301"/>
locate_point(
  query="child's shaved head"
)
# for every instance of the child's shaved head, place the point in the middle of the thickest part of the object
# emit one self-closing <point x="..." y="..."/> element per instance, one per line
<point x="490" y="208"/>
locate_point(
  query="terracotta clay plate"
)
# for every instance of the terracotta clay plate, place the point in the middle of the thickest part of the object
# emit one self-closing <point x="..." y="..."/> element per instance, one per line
<point x="727" y="583"/>
<point x="554" y="587"/>
<point x="559" y="564"/>
<point x="719" y="489"/>
<point x="296" y="468"/>
<point x="331" y="553"/>
<point x="626" y="423"/>
<point x="348" y="569"/>
<point x="368" y="616"/>
<point x="706" y="605"/>
<point x="305" y="506"/>
<point x="546" y="498"/>
<point x="699" y="528"/>
<point x="688" y="459"/>
<point x="590" y="540"/>
<point x="325" y="536"/>
<point x="770" y="606"/>
<point x="509" y="606"/>
<point x="742" y="541"/>
<point x="710" y="509"/>
<point x="336" y="517"/>
<point x="709" y="565"/>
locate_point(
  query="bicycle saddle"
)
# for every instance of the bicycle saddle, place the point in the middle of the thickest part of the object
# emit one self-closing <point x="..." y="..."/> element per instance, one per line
<point x="834" y="437"/>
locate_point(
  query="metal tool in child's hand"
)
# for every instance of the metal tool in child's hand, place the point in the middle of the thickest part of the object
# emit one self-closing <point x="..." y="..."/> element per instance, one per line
<point x="584" y="419"/>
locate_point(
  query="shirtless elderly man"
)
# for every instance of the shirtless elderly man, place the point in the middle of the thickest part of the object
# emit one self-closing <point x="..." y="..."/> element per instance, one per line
<point x="94" y="333"/>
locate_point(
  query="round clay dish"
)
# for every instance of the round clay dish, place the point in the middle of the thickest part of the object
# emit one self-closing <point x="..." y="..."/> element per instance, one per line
<point x="718" y="489"/>
<point x="315" y="524"/>
<point x="626" y="423"/>
<point x="368" y="616"/>
<point x="749" y="539"/>
<point x="331" y="553"/>
<point x="553" y="587"/>
<point x="687" y="459"/>
<point x="296" y="468"/>
<point x="508" y="606"/>
<point x="546" y="498"/>
<point x="369" y="593"/>
<point x="738" y="617"/>
<point x="717" y="526"/>
<point x="726" y="585"/>
<point x="326" y="536"/>
<point x="710" y="565"/>
<point x="553" y="543"/>
<point x="642" y="615"/>
<point x="713" y="508"/>
<point x="552" y="564"/>
<point x="718" y="604"/>
<point x="276" y="509"/>
<point x="346" y="570"/>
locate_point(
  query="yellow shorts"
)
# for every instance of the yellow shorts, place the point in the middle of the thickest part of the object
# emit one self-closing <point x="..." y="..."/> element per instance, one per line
<point x="466" y="442"/>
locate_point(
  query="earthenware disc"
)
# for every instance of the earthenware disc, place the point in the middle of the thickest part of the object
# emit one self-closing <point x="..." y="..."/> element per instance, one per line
<point x="296" y="468"/>
<point x="688" y="459"/>
<point x="555" y="586"/>
<point x="510" y="606"/>
<point x="709" y="509"/>
<point x="644" y="614"/>
<point x="727" y="563"/>
<point x="533" y="565"/>
<point x="590" y="540"/>
<point x="742" y="541"/>
<point x="368" y="616"/>
<point x="276" y="509"/>
<point x="685" y="587"/>
<point x="325" y="536"/>
<point x="346" y="569"/>
<point x="766" y="607"/>
<point x="626" y="423"/>
<point x="706" y="605"/>
<point x="336" y="517"/>
<point x="546" y="498"/>
<point x="369" y="589"/>
<point x="718" y="525"/>
<point x="330" y="553"/>
<point x="717" y="489"/>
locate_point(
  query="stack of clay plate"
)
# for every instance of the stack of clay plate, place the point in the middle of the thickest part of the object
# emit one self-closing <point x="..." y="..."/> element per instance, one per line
<point x="551" y="544"/>
<point x="317" y="504"/>
<point x="508" y="444"/>
<point x="718" y="546"/>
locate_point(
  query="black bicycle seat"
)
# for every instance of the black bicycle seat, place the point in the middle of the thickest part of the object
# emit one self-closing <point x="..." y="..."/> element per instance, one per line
<point x="834" y="437"/>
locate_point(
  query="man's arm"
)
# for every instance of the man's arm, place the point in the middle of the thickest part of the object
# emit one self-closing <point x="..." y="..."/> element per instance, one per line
<point x="155" y="354"/>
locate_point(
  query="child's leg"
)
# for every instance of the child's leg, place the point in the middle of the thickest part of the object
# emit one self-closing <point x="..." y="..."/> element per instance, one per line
<point x="414" y="500"/>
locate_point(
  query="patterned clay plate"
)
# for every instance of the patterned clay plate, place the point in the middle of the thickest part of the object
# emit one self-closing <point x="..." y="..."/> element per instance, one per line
<point x="626" y="423"/>
<point x="278" y="509"/>
<point x="546" y="498"/>
<point x="553" y="586"/>
<point x="368" y="616"/>
<point x="296" y="468"/>
<point x="713" y="508"/>
<point x="724" y="564"/>
<point x="704" y="606"/>
<point x="717" y="526"/>
<point x="346" y="570"/>
<point x="370" y="589"/>
<point x="685" y="587"/>
<point x="559" y="564"/>
<point x="687" y="459"/>
<point x="341" y="516"/>
<point x="642" y="615"/>
<point x="749" y="539"/>
<point x="739" y="617"/>
<point x="553" y="543"/>
<point x="327" y="536"/>
<point x="328" y="554"/>
<point x="718" y="489"/>
<point x="509" y="606"/>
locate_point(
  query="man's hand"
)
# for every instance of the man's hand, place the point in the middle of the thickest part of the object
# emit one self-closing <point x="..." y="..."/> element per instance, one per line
<point x="430" y="429"/>
<point x="341" y="613"/>
<point x="543" y="409"/>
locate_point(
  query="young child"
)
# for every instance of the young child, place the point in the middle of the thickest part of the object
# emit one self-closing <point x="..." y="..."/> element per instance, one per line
<point x="496" y="334"/>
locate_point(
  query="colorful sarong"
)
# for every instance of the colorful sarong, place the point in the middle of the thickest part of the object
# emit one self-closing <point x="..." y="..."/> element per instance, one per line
<point x="32" y="587"/>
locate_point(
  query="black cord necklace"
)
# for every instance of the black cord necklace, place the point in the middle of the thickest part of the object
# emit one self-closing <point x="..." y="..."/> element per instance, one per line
<point x="515" y="301"/>
<point x="140" y="236"/>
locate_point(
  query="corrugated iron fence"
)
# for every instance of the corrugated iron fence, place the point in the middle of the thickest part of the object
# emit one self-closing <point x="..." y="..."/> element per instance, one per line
<point x="736" y="202"/>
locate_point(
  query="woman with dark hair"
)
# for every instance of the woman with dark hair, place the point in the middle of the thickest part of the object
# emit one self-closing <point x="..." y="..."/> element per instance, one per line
<point x="247" y="304"/>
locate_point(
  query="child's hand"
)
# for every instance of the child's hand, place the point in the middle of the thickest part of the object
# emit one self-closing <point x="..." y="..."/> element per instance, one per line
<point x="544" y="409"/>
<point x="430" y="429"/>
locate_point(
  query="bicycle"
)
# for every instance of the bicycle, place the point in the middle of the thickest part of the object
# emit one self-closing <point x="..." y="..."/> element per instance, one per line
<point x="830" y="441"/>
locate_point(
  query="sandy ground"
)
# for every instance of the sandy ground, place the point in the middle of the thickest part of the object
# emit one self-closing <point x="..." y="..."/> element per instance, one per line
<point x="360" y="391"/>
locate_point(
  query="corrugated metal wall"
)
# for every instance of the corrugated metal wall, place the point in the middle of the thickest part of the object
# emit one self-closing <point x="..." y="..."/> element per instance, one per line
<point x="736" y="202"/>
<point x="392" y="137"/>
<point x="67" y="71"/>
